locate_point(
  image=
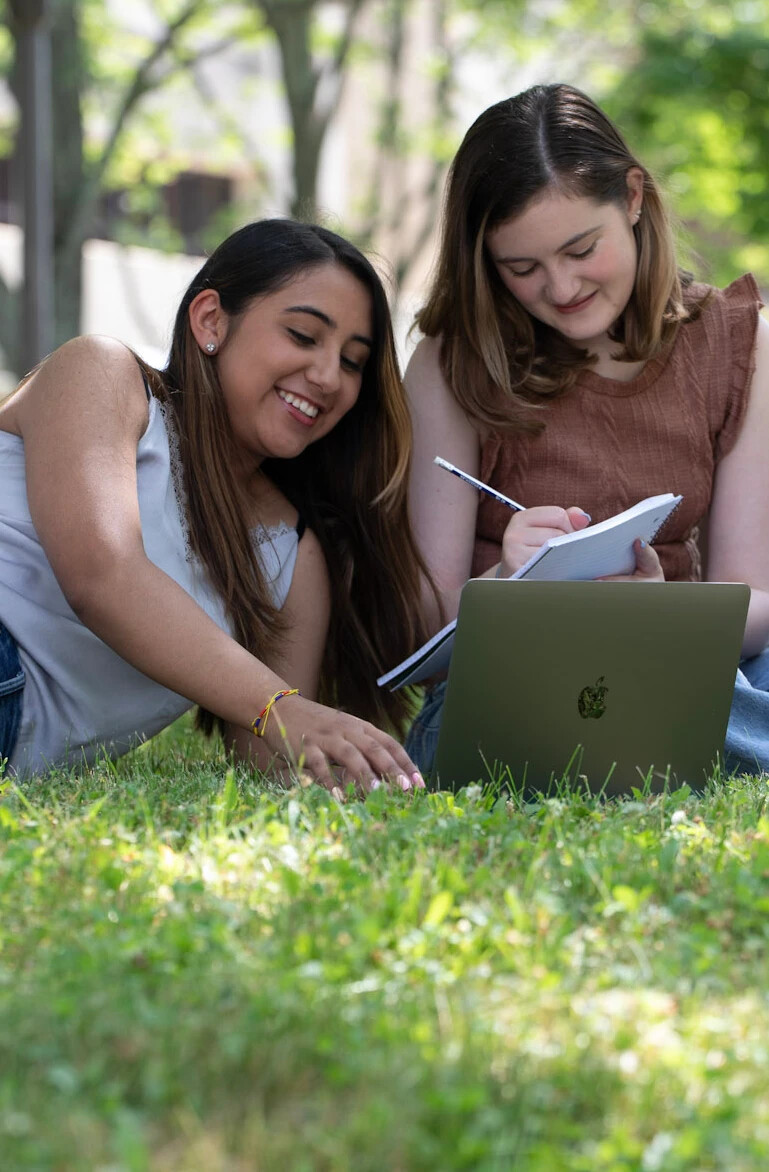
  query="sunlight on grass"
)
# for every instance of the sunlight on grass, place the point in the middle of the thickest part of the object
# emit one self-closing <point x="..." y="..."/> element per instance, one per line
<point x="201" y="971"/>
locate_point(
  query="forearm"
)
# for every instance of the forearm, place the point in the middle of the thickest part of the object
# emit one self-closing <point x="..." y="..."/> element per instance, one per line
<point x="153" y="623"/>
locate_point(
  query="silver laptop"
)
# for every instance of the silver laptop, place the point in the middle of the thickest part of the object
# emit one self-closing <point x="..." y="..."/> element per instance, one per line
<point x="626" y="684"/>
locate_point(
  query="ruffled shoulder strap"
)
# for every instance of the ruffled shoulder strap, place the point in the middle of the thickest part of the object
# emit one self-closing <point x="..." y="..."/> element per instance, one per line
<point x="741" y="303"/>
<point x="714" y="355"/>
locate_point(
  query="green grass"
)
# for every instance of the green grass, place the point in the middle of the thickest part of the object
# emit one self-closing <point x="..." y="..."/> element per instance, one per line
<point x="200" y="972"/>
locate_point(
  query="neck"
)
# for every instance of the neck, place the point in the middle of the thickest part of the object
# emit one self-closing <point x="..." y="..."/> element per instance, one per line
<point x="608" y="367"/>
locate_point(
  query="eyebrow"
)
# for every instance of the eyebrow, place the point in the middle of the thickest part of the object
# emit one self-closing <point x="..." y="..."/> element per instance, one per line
<point x="568" y="244"/>
<point x="327" y="321"/>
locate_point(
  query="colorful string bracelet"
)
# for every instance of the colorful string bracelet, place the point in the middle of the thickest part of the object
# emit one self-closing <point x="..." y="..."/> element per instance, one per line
<point x="259" y="723"/>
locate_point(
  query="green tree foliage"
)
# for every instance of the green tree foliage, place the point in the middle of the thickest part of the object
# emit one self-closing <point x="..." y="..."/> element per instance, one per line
<point x="694" y="104"/>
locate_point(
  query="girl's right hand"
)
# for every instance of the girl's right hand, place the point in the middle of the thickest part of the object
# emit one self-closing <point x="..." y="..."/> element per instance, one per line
<point x="337" y="749"/>
<point x="531" y="528"/>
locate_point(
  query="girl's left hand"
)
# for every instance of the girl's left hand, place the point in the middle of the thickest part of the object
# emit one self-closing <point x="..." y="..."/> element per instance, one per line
<point x="647" y="566"/>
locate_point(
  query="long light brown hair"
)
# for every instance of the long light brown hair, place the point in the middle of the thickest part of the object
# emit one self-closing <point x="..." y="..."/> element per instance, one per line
<point x="499" y="360"/>
<point x="350" y="486"/>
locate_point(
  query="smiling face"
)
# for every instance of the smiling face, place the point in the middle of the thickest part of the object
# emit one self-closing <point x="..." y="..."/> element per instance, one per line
<point x="291" y="365"/>
<point x="571" y="261"/>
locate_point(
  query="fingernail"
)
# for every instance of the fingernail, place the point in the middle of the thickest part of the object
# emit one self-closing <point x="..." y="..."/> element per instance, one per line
<point x="418" y="780"/>
<point x="375" y="783"/>
<point x="643" y="544"/>
<point x="403" y="781"/>
<point x="584" y="514"/>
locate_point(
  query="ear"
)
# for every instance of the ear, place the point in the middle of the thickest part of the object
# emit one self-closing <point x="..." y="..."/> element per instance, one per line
<point x="208" y="321"/>
<point x="635" y="193"/>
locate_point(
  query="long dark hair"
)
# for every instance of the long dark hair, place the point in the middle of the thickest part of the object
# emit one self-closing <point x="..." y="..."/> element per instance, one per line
<point x="350" y="486"/>
<point x="496" y="357"/>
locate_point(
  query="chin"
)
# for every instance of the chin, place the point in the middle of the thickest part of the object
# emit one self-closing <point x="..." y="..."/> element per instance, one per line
<point x="584" y="333"/>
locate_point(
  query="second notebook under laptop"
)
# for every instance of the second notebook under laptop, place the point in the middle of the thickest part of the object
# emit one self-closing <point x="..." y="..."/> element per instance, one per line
<point x="619" y="682"/>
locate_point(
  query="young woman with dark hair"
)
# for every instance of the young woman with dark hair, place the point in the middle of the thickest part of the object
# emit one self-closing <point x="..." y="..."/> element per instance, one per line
<point x="567" y="358"/>
<point x="230" y="531"/>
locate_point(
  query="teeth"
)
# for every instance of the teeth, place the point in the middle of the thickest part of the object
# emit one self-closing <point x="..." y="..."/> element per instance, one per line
<point x="308" y="409"/>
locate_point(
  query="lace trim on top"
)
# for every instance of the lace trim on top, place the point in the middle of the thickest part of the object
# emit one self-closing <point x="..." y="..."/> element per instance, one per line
<point x="262" y="534"/>
<point x="275" y="547"/>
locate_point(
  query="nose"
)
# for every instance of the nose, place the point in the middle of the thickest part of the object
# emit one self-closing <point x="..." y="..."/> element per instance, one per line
<point x="324" y="369"/>
<point x="563" y="285"/>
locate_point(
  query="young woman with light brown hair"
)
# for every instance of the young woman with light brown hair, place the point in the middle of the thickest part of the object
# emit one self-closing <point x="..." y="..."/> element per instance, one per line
<point x="230" y="531"/>
<point x="569" y="363"/>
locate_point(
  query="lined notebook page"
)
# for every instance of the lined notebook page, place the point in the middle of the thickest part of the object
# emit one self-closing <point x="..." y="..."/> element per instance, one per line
<point x="601" y="549"/>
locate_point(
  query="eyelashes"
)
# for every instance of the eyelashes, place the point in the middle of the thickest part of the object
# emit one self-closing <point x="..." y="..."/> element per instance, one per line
<point x="579" y="255"/>
<point x="574" y="256"/>
<point x="306" y="341"/>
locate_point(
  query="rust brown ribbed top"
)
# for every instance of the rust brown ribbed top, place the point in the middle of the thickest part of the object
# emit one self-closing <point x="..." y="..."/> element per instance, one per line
<point x="608" y="444"/>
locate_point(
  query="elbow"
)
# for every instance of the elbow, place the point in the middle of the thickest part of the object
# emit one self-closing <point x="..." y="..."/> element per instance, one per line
<point x="96" y="585"/>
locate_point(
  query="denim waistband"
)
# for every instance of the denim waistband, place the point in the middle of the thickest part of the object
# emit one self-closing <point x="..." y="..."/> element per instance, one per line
<point x="11" y="672"/>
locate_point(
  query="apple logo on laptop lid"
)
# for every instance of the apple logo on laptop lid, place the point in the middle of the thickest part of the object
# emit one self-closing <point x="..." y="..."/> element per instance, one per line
<point x="591" y="702"/>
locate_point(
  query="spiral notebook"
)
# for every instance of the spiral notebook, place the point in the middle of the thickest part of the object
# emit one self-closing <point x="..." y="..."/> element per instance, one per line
<point x="600" y="550"/>
<point x="628" y="684"/>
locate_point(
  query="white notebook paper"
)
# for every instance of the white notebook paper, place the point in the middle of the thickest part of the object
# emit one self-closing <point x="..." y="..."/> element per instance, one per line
<point x="605" y="548"/>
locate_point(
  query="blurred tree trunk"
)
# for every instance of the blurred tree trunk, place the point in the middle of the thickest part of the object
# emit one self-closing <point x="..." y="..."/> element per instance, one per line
<point x="396" y="185"/>
<point x="77" y="180"/>
<point x="29" y="326"/>
<point x="313" y="88"/>
<point x="69" y="168"/>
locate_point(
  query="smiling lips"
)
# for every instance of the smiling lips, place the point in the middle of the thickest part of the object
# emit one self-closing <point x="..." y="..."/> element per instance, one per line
<point x="575" y="306"/>
<point x="309" y="410"/>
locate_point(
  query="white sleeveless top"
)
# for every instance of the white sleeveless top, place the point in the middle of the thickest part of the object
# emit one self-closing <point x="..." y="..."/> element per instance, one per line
<point x="80" y="697"/>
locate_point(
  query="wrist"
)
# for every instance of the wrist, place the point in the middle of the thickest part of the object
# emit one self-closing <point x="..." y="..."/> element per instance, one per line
<point x="259" y="723"/>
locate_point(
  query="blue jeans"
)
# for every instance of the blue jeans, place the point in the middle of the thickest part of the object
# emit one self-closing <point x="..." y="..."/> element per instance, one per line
<point x="747" y="737"/>
<point x="11" y="692"/>
<point x="422" y="740"/>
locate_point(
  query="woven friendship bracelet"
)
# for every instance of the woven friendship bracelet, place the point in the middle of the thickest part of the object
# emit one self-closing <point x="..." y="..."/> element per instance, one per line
<point x="259" y="723"/>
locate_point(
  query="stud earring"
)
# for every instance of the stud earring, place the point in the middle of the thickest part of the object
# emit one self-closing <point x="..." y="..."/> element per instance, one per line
<point x="637" y="216"/>
<point x="210" y="347"/>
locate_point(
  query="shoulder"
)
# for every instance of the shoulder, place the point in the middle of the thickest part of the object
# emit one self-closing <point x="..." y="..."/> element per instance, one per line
<point x="741" y="297"/>
<point x="424" y="376"/>
<point x="92" y="358"/>
<point x="435" y="409"/>
<point x="88" y="373"/>
<point x="723" y="320"/>
<point x="92" y="353"/>
<point x="426" y="351"/>
<point x="424" y="365"/>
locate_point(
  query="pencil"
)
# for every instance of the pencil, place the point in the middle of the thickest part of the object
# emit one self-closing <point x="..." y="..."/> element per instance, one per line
<point x="492" y="492"/>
